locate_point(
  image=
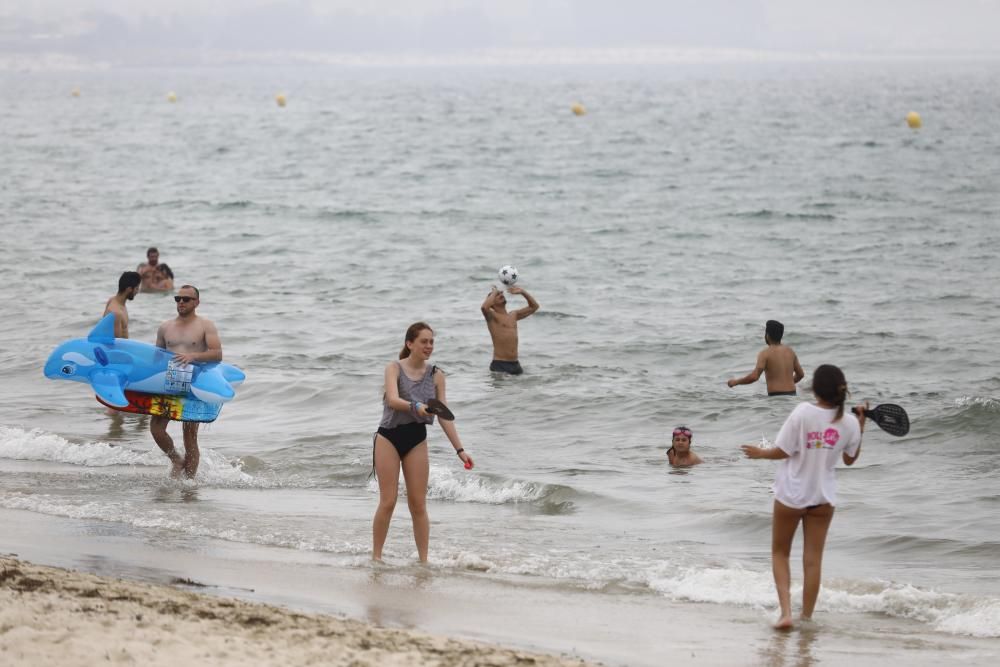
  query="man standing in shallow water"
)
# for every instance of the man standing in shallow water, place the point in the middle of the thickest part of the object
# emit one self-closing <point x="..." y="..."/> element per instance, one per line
<point x="128" y="287"/>
<point x="148" y="270"/>
<point x="777" y="362"/>
<point x="503" y="328"/>
<point x="191" y="339"/>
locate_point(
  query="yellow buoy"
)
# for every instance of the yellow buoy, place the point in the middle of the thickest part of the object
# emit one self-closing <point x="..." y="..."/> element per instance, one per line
<point x="75" y="92"/>
<point x="280" y="99"/>
<point x="578" y="109"/>
<point x="913" y="120"/>
<point x="171" y="97"/>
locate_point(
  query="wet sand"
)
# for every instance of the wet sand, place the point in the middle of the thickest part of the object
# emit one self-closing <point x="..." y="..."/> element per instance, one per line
<point x="52" y="616"/>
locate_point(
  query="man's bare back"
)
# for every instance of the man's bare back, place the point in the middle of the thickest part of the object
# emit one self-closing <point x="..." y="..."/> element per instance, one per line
<point x="777" y="362"/>
<point x="781" y="368"/>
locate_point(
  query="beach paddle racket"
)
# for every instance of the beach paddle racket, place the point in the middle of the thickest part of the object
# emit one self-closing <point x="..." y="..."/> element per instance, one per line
<point x="891" y="418"/>
<point x="436" y="407"/>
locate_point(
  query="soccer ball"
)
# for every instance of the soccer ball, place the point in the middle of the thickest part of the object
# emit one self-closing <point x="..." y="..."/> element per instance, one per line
<point x="508" y="275"/>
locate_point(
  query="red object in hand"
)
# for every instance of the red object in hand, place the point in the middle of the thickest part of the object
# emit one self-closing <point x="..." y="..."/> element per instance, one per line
<point x="468" y="465"/>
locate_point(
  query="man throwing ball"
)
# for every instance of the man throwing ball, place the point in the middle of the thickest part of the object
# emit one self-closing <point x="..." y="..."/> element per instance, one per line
<point x="503" y="328"/>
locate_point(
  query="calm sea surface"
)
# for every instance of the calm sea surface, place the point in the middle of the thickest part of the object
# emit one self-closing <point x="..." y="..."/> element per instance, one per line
<point x="658" y="232"/>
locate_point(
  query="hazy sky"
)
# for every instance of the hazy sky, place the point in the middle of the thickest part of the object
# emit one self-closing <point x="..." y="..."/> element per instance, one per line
<point x="921" y="26"/>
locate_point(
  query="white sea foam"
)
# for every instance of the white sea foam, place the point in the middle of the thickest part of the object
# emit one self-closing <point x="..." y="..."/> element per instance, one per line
<point x="462" y="487"/>
<point x="981" y="401"/>
<point x="37" y="445"/>
<point x="737" y="586"/>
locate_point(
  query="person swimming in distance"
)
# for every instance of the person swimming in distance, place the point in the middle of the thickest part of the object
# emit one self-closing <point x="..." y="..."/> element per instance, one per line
<point x="680" y="453"/>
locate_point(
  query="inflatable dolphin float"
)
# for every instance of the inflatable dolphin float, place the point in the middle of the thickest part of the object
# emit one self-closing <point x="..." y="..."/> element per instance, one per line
<point x="138" y="377"/>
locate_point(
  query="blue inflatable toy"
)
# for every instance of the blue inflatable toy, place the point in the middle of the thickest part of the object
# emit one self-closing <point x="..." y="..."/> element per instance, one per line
<point x="138" y="377"/>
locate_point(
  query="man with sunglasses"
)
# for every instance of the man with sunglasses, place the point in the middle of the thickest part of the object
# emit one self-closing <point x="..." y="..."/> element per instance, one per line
<point x="192" y="339"/>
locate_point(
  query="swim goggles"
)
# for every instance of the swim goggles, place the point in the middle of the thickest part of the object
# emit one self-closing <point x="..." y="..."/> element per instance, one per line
<point x="682" y="430"/>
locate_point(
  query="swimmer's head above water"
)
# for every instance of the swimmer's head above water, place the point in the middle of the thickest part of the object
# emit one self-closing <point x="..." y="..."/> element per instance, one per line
<point x="681" y="437"/>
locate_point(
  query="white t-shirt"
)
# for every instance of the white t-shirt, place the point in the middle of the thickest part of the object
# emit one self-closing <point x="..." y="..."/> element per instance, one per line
<point x="814" y="443"/>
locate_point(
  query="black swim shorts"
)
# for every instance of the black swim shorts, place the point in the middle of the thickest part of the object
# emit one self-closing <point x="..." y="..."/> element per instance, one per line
<point x="510" y="367"/>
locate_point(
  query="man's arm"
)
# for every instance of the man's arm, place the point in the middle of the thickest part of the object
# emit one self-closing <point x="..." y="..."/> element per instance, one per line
<point x="212" y="342"/>
<point x="161" y="339"/>
<point x="799" y="374"/>
<point x="753" y="375"/>
<point x="488" y="303"/>
<point x="530" y="309"/>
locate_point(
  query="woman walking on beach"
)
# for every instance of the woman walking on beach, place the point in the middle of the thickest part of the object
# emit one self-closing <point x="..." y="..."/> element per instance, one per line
<point x="401" y="440"/>
<point x="805" y="488"/>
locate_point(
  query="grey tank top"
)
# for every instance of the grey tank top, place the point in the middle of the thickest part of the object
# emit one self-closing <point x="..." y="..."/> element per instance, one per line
<point x="421" y="390"/>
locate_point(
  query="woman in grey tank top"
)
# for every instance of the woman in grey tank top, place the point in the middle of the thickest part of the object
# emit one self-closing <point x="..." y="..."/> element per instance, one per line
<point x="401" y="441"/>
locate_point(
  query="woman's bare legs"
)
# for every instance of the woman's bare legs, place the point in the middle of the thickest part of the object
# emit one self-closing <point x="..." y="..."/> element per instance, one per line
<point x="387" y="473"/>
<point x="815" y="525"/>
<point x="416" y="470"/>
<point x="783" y="527"/>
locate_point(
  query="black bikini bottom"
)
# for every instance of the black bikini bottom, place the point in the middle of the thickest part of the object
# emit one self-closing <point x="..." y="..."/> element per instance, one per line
<point x="782" y="393"/>
<point x="405" y="436"/>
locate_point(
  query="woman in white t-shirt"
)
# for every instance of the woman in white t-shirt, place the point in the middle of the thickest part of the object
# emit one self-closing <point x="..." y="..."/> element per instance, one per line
<point x="805" y="487"/>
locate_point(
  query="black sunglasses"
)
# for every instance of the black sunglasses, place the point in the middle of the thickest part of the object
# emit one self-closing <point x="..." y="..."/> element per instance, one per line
<point x="184" y="299"/>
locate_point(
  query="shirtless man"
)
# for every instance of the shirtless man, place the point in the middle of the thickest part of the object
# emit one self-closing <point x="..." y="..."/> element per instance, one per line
<point x="192" y="339"/>
<point x="128" y="287"/>
<point x="777" y="362"/>
<point x="503" y="328"/>
<point x="148" y="270"/>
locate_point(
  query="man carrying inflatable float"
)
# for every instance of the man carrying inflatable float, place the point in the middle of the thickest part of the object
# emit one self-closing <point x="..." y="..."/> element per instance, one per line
<point x="181" y="378"/>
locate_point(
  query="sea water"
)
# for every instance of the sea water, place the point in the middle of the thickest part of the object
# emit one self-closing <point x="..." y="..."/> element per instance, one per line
<point x="658" y="232"/>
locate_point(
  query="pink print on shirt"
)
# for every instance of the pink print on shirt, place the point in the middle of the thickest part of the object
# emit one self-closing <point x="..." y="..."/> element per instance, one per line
<point x="825" y="440"/>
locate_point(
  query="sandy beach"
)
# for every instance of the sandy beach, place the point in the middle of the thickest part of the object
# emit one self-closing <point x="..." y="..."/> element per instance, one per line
<point x="53" y="616"/>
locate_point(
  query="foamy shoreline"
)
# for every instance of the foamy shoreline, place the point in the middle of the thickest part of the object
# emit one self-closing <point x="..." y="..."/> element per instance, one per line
<point x="53" y="616"/>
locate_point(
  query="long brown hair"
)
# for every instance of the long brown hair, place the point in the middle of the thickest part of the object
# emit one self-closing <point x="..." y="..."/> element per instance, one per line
<point x="411" y="335"/>
<point x="830" y="385"/>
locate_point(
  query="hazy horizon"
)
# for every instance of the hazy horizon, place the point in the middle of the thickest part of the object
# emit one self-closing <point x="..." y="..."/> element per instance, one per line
<point x="121" y="31"/>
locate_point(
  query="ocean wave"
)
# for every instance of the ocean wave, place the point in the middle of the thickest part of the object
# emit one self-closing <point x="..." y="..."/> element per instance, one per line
<point x="986" y="403"/>
<point x="951" y="613"/>
<point x="36" y="445"/>
<point x="767" y="214"/>
<point x="462" y="487"/>
<point x="969" y="415"/>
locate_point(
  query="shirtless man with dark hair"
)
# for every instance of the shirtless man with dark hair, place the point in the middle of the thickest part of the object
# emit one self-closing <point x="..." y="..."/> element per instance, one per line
<point x="192" y="339"/>
<point x="777" y="362"/>
<point x="128" y="287"/>
<point x="503" y="328"/>
<point x="148" y="270"/>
